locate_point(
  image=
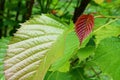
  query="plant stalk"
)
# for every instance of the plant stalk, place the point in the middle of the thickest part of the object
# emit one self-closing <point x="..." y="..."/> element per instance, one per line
<point x="105" y="25"/>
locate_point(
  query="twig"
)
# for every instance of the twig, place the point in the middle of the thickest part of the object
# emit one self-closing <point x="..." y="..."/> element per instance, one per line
<point x="113" y="17"/>
<point x="80" y="9"/>
<point x="105" y="25"/>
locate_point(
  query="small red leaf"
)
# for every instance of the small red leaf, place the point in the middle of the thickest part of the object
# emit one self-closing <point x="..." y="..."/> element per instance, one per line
<point x="84" y="26"/>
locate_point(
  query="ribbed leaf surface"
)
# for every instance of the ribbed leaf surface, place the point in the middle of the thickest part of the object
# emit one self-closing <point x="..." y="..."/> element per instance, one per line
<point x="35" y="46"/>
<point x="84" y="26"/>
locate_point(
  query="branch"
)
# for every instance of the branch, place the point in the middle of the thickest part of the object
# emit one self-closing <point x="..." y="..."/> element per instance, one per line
<point x="18" y="10"/>
<point x="113" y="17"/>
<point x="79" y="10"/>
<point x="29" y="6"/>
<point x="2" y="3"/>
<point x="105" y="25"/>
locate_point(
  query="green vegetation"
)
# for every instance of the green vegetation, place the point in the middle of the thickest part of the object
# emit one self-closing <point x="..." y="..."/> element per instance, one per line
<point x="45" y="45"/>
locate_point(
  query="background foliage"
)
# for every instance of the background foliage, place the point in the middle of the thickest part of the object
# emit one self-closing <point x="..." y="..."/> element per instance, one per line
<point x="97" y="58"/>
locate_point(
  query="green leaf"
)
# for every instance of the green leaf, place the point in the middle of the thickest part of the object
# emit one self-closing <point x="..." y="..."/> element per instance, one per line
<point x="57" y="76"/>
<point x="3" y="48"/>
<point x="99" y="22"/>
<point x="85" y="52"/>
<point x="35" y="46"/>
<point x="93" y="72"/>
<point x="107" y="56"/>
<point x="71" y="46"/>
<point x="106" y="32"/>
<point x="65" y="67"/>
<point x="78" y="74"/>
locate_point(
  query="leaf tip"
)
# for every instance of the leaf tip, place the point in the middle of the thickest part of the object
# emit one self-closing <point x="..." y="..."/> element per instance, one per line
<point x="84" y="26"/>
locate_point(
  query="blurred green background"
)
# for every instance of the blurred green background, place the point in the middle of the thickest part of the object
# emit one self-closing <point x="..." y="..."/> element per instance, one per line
<point x="14" y="12"/>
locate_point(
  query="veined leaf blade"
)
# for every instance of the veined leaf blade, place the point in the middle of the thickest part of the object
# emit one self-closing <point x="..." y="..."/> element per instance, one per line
<point x="84" y="26"/>
<point x="34" y="48"/>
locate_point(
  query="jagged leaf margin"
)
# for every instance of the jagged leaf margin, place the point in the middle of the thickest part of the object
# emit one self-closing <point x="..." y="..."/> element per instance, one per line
<point x="35" y="46"/>
<point x="84" y="26"/>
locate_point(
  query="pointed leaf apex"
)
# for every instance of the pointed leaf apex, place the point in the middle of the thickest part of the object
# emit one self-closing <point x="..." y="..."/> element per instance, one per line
<point x="84" y="26"/>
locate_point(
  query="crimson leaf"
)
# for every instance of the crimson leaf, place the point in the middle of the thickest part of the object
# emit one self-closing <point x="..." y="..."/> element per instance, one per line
<point x="84" y="26"/>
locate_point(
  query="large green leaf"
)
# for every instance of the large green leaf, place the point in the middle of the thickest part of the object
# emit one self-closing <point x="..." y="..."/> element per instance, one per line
<point x="35" y="46"/>
<point x="107" y="56"/>
<point x="3" y="47"/>
<point x="71" y="46"/>
<point x="105" y="32"/>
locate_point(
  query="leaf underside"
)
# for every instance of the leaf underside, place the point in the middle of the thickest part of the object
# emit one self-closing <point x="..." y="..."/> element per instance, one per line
<point x="84" y="26"/>
<point x="30" y="52"/>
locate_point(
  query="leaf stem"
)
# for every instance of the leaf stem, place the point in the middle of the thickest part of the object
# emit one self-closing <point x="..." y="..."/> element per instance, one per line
<point x="113" y="17"/>
<point x="105" y="25"/>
